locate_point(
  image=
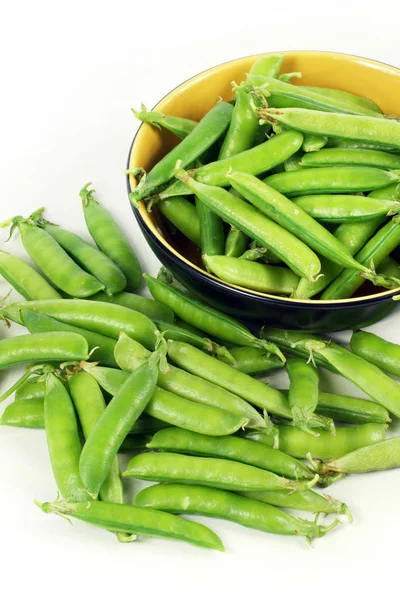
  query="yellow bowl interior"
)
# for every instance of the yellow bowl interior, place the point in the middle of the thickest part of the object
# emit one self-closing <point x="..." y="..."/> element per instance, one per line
<point x="193" y="98"/>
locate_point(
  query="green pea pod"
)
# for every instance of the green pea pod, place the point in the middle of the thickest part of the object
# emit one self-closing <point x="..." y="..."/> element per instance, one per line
<point x="114" y="424"/>
<point x="24" y="279"/>
<point x="34" y="388"/>
<point x="24" y="413"/>
<point x="379" y="457"/>
<point x="308" y="500"/>
<point x="134" y="520"/>
<point x="55" y="263"/>
<point x="213" y="472"/>
<point x="376" y="350"/>
<point x="341" y="95"/>
<point x="147" y="306"/>
<point x="236" y="242"/>
<point x="385" y="132"/>
<point x="92" y="259"/>
<point x="313" y="143"/>
<point x="253" y="275"/>
<point x="231" y="448"/>
<point x="351" y="144"/>
<point x="338" y="157"/>
<point x="208" y="319"/>
<point x="337" y="208"/>
<point x="210" y="128"/>
<point x="183" y="215"/>
<point x="369" y="378"/>
<point x="180" y="126"/>
<point x="102" y="347"/>
<point x="107" y="319"/>
<point x="63" y="440"/>
<point x="235" y="211"/>
<point x="253" y="360"/>
<point x="212" y="236"/>
<point x="110" y="239"/>
<point x="259" y="159"/>
<point x="347" y="409"/>
<point x="194" y="499"/>
<point x="389" y="268"/>
<point x="130" y="355"/>
<point x="288" y="341"/>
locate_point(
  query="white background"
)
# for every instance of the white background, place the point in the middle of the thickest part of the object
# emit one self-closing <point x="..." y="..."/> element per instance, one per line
<point x="69" y="74"/>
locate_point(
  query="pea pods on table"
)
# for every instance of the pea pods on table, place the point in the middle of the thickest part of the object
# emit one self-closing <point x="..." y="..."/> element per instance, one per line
<point x="212" y="472"/>
<point x="126" y="518"/>
<point x="232" y="448"/>
<point x="110" y="239"/>
<point x="25" y="279"/>
<point x="195" y="499"/>
<point x="376" y="350"/>
<point x="209" y="129"/>
<point x="308" y="501"/>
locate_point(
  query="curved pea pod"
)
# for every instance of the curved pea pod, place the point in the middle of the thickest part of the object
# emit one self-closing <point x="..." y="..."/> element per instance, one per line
<point x="369" y="378"/>
<point x="126" y="518"/>
<point x="194" y="499"/>
<point x="376" y="350"/>
<point x="24" y="279"/>
<point x="180" y="126"/>
<point x="106" y="319"/>
<point x="255" y="392"/>
<point x="259" y="159"/>
<point x="347" y="409"/>
<point x="253" y="360"/>
<point x="231" y="448"/>
<point x="101" y="346"/>
<point x="385" y="240"/>
<point x="130" y="355"/>
<point x="63" y="440"/>
<point x="308" y="500"/>
<point x="24" y="413"/>
<point x="34" y="388"/>
<point x="147" y="306"/>
<point x="313" y="143"/>
<point x="385" y="132"/>
<point x="379" y="457"/>
<point x="209" y="129"/>
<point x="299" y="444"/>
<point x="252" y="275"/>
<point x="208" y="319"/>
<point x="278" y="208"/>
<point x="331" y="180"/>
<point x="183" y="215"/>
<point x="239" y="213"/>
<point x="341" y="95"/>
<point x="92" y="259"/>
<point x="339" y="157"/>
<point x="213" y="472"/>
<point x="52" y="259"/>
<point x="42" y="347"/>
<point x="110" y="239"/>
<point x="337" y="208"/>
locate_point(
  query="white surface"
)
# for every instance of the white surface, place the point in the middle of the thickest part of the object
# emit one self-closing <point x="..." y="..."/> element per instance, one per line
<point x="70" y="73"/>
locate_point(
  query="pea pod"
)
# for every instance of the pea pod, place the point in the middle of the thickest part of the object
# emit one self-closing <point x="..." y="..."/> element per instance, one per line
<point x="376" y="350"/>
<point x="24" y="413"/>
<point x="151" y="308"/>
<point x="385" y="132"/>
<point x="212" y="237"/>
<point x="253" y="360"/>
<point x="55" y="263"/>
<point x="231" y="448"/>
<point x="63" y="440"/>
<point x="389" y="268"/>
<point x="293" y="218"/>
<point x="347" y="409"/>
<point x="194" y="499"/>
<point x="337" y="208"/>
<point x="369" y="378"/>
<point x="253" y="275"/>
<point x="340" y="94"/>
<point x="106" y="319"/>
<point x="299" y="444"/>
<point x="210" y="128"/>
<point x="237" y="212"/>
<point x="134" y="520"/>
<point x="102" y="347"/>
<point x="313" y="143"/>
<point x="207" y="319"/>
<point x="24" y="279"/>
<point x="379" y="457"/>
<point x="259" y="159"/>
<point x="213" y="472"/>
<point x="183" y="215"/>
<point x="288" y="341"/>
<point x="236" y="242"/>
<point x="308" y="501"/>
<point x="110" y="239"/>
<point x="351" y="144"/>
<point x="130" y="355"/>
<point x="180" y="126"/>
<point x="34" y="388"/>
<point x="337" y="157"/>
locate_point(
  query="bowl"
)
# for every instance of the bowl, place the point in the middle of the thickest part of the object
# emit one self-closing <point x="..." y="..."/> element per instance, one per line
<point x="192" y="99"/>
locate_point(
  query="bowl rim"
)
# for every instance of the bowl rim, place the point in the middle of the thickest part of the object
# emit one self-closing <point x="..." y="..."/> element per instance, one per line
<point x="145" y="221"/>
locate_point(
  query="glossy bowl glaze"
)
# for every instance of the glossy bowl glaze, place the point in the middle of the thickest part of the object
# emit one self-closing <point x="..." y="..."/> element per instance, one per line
<point x="192" y="99"/>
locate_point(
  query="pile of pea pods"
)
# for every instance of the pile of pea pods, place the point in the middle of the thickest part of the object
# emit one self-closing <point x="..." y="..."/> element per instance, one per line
<point x="174" y="383"/>
<point x="296" y="188"/>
